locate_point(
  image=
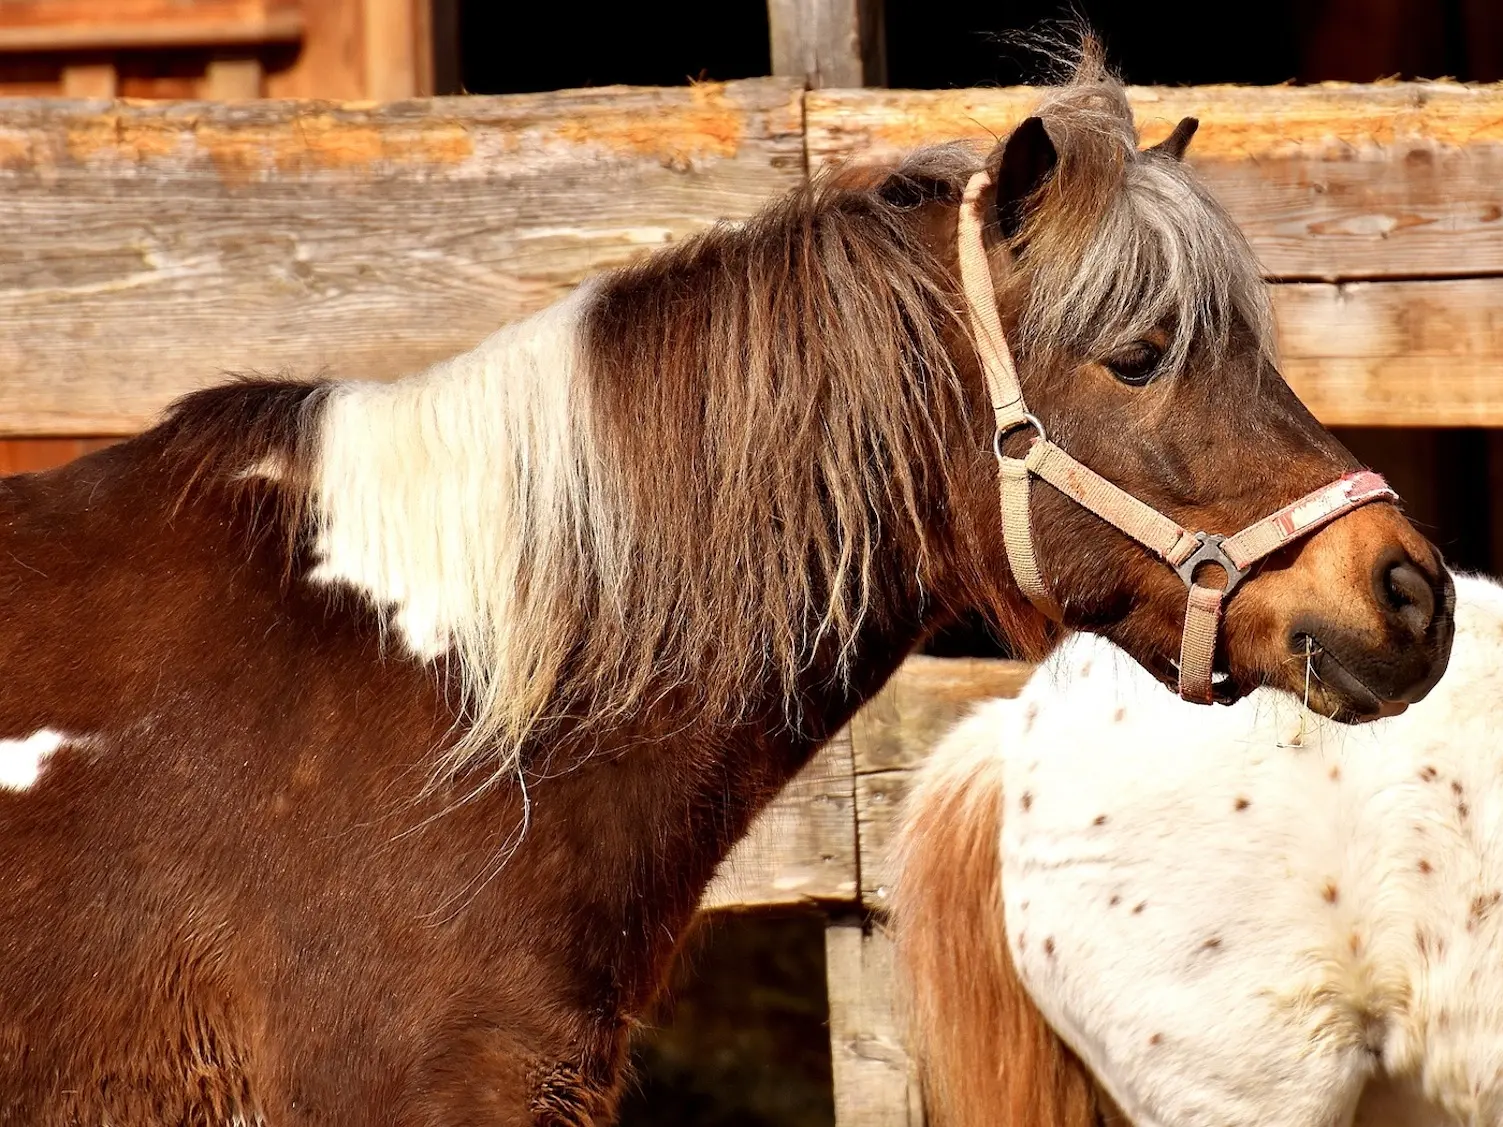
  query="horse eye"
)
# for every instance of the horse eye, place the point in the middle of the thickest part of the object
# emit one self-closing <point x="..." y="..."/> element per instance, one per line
<point x="1136" y="363"/>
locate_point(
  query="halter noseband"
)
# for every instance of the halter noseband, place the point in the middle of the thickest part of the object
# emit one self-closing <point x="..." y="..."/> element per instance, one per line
<point x="1180" y="548"/>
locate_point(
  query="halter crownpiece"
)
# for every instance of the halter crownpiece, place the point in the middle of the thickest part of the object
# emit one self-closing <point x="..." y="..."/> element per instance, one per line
<point x="1181" y="549"/>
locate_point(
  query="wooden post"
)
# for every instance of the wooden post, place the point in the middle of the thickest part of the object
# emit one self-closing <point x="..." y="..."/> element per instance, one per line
<point x="90" y="80"/>
<point x="392" y="69"/>
<point x="233" y="79"/>
<point x="874" y="1081"/>
<point x="828" y="42"/>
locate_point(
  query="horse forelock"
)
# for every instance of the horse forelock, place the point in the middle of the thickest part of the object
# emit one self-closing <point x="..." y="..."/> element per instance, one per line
<point x="1124" y="241"/>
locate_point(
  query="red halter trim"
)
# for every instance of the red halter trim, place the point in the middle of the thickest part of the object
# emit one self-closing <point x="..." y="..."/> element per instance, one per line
<point x="1183" y="550"/>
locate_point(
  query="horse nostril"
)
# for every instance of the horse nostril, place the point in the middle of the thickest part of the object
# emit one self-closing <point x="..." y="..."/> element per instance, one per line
<point x="1408" y="594"/>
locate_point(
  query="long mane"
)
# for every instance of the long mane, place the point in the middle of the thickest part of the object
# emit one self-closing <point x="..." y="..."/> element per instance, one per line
<point x="688" y="481"/>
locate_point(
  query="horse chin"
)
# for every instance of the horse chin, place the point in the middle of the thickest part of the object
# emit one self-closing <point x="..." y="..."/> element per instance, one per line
<point x="1226" y="688"/>
<point x="1334" y="690"/>
<point x="1337" y="690"/>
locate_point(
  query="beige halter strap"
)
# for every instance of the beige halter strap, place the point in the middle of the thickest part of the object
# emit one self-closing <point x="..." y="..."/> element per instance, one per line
<point x="1180" y="548"/>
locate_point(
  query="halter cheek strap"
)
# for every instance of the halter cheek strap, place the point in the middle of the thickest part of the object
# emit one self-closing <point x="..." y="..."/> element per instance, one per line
<point x="1181" y="549"/>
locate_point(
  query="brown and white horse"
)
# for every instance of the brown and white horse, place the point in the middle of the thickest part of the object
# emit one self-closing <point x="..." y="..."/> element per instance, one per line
<point x="365" y="748"/>
<point x="1243" y="917"/>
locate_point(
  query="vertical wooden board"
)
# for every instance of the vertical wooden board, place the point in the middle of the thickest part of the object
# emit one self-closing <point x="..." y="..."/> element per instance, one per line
<point x="90" y="80"/>
<point x="875" y="1083"/>
<point x="1328" y="182"/>
<point x="330" y="61"/>
<point x="879" y="801"/>
<point x="895" y="732"/>
<point x="828" y="42"/>
<point x="233" y="79"/>
<point x="391" y="43"/>
<point x="146" y="249"/>
<point x="802" y="848"/>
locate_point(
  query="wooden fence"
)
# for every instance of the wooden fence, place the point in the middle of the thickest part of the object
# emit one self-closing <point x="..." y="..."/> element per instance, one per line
<point x="146" y="248"/>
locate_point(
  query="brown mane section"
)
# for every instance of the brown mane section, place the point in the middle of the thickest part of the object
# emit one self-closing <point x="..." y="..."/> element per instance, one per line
<point x="255" y="437"/>
<point x="783" y="404"/>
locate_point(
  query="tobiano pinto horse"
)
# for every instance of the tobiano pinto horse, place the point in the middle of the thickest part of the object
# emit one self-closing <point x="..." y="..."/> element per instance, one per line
<point x="1246" y="917"/>
<point x="367" y="747"/>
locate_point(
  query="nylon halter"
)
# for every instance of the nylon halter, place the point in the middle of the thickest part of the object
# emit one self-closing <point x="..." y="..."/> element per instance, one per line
<point x="1181" y="549"/>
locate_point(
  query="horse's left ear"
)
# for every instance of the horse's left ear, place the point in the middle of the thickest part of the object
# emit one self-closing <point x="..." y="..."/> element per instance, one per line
<point x="1177" y="142"/>
<point x="1028" y="159"/>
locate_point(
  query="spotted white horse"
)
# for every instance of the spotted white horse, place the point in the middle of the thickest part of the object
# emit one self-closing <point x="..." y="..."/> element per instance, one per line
<point x="1234" y="916"/>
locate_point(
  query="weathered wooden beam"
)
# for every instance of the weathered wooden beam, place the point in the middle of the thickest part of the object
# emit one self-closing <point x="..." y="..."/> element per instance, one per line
<point x="1396" y="353"/>
<point x="111" y="337"/>
<point x="1329" y="182"/>
<point x="874" y="1081"/>
<point x="802" y="849"/>
<point x="828" y="42"/>
<point x="148" y="248"/>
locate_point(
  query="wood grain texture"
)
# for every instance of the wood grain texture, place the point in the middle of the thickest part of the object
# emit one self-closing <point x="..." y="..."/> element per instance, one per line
<point x="895" y="731"/>
<point x="146" y="249"/>
<point x="1395" y="353"/>
<point x="1329" y="182"/>
<point x="874" y="1081"/>
<point x="74" y="25"/>
<point x="827" y="42"/>
<point x="802" y="849"/>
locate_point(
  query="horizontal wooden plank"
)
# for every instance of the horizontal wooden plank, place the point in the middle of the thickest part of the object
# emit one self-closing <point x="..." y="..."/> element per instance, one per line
<point x="1329" y="182"/>
<point x="802" y="849"/>
<point x="100" y="25"/>
<point x="922" y="701"/>
<point x="147" y="248"/>
<point x="1396" y="353"/>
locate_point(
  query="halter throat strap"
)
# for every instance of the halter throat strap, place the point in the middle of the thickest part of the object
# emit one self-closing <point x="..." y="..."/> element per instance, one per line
<point x="1183" y="550"/>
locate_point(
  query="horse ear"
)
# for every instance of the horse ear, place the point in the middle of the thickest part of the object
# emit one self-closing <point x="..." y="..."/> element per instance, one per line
<point x="1177" y="142"/>
<point x="1028" y="159"/>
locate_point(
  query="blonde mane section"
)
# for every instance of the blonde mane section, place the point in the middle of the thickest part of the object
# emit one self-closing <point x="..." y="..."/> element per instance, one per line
<point x="465" y="502"/>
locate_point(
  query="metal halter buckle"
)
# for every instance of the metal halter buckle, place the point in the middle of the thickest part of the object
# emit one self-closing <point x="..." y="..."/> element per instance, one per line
<point x="1210" y="551"/>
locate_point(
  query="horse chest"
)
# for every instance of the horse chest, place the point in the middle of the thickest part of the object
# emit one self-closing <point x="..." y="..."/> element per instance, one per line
<point x="1233" y="931"/>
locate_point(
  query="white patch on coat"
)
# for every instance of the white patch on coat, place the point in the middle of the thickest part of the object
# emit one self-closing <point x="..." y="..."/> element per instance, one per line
<point x="23" y="760"/>
<point x="1240" y="934"/>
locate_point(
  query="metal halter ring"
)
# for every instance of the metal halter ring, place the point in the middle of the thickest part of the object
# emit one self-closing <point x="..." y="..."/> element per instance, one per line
<point x="1002" y="432"/>
<point x="1210" y="551"/>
